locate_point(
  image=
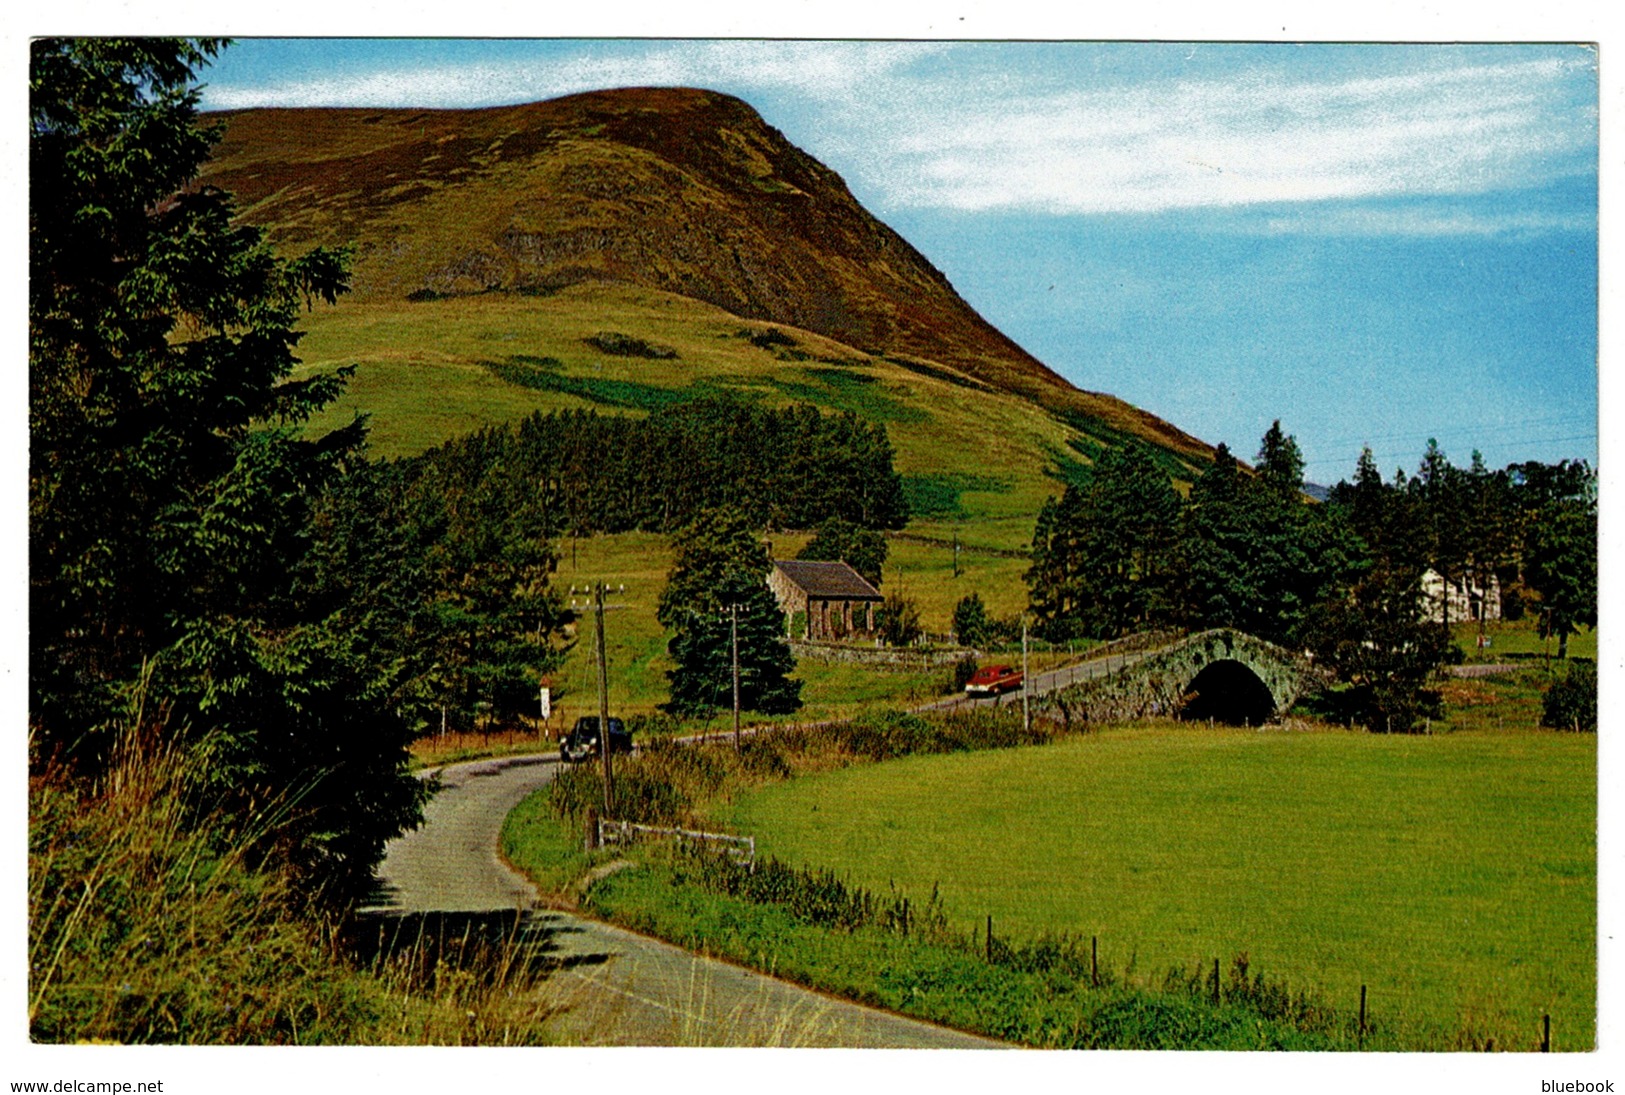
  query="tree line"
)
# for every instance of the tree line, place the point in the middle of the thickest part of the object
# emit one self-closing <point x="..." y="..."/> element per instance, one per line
<point x="442" y="561"/>
<point x="1343" y="579"/>
<point x="781" y="467"/>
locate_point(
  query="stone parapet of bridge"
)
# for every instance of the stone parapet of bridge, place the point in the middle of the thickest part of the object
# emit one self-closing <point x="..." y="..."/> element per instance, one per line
<point x="1160" y="683"/>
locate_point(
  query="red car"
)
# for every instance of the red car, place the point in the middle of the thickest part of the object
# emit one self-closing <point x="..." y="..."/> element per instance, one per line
<point x="993" y="679"/>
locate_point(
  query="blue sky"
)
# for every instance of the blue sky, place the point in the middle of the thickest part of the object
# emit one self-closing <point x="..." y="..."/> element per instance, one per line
<point x="1375" y="244"/>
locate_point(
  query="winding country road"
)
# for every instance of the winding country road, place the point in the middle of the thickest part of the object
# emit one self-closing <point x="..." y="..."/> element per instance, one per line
<point x="615" y="987"/>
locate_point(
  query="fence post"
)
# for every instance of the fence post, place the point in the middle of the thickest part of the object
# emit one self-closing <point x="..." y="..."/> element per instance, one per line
<point x="905" y="918"/>
<point x="1361" y="1041"/>
<point x="1215" y="982"/>
<point x="1094" y="960"/>
<point x="1546" y="1034"/>
<point x="594" y="835"/>
<point x="989" y="945"/>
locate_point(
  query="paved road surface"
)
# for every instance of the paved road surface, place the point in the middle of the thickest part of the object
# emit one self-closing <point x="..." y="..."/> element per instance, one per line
<point x="618" y="988"/>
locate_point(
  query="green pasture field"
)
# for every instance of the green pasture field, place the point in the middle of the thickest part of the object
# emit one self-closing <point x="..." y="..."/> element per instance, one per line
<point x="1454" y="874"/>
<point x="636" y="644"/>
<point x="974" y="462"/>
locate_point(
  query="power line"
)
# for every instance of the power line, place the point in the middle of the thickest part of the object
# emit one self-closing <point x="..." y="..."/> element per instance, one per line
<point x="1391" y="454"/>
<point x="1463" y="428"/>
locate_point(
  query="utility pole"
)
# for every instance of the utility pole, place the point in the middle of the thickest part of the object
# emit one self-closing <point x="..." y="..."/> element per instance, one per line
<point x="733" y="631"/>
<point x="1026" y="717"/>
<point x="603" y="701"/>
<point x="599" y="591"/>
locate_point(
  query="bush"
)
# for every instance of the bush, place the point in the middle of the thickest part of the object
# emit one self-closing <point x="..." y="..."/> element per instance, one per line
<point x="769" y="338"/>
<point x="671" y="783"/>
<point x="971" y="624"/>
<point x="964" y="670"/>
<point x="899" y="620"/>
<point x="619" y="345"/>
<point x="1571" y="703"/>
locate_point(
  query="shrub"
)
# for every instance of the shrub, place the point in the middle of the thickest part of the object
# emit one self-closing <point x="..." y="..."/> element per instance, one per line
<point x="619" y="345"/>
<point x="899" y="620"/>
<point x="672" y="783"/>
<point x="769" y="338"/>
<point x="1571" y="703"/>
<point x="971" y="624"/>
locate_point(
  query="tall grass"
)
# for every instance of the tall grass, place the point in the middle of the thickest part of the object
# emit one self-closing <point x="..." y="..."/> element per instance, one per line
<point x="674" y="784"/>
<point x="149" y="922"/>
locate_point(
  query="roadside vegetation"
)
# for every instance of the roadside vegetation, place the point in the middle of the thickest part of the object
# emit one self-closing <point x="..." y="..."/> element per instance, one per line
<point x="154" y="917"/>
<point x="249" y="622"/>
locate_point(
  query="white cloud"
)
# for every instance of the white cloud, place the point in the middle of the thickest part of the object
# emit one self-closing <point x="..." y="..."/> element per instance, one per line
<point x="1464" y="130"/>
<point x="962" y="126"/>
<point x="821" y="70"/>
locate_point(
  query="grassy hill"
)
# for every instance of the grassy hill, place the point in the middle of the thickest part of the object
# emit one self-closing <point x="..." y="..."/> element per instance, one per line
<point x="680" y="191"/>
<point x="493" y="248"/>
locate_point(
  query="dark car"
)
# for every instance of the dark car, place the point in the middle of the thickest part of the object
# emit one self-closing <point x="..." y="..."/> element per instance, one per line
<point x="581" y="743"/>
<point x="993" y="679"/>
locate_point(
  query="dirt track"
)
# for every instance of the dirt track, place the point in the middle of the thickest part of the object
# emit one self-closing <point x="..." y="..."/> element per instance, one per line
<point x="617" y="987"/>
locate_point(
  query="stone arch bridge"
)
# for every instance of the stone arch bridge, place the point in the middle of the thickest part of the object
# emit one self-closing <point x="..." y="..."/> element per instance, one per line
<point x="1224" y="675"/>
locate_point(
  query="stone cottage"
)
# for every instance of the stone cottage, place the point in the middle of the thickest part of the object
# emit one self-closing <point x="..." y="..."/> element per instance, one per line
<point x="837" y="601"/>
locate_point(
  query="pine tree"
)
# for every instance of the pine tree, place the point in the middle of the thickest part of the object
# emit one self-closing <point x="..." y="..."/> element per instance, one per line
<point x="1105" y="557"/>
<point x="1561" y="564"/>
<point x="839" y="540"/>
<point x="1280" y="464"/>
<point x="169" y="488"/>
<point x="721" y="567"/>
<point x="702" y="648"/>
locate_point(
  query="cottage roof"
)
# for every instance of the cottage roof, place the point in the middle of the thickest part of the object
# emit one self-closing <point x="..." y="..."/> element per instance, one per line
<point x="828" y="581"/>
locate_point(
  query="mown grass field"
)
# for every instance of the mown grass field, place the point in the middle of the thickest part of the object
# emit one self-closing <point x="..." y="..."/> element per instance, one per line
<point x="1455" y="875"/>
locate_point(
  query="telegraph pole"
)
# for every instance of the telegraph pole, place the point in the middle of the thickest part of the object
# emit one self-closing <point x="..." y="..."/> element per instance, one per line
<point x="603" y="701"/>
<point x="1026" y="718"/>
<point x="733" y="631"/>
<point x="599" y="591"/>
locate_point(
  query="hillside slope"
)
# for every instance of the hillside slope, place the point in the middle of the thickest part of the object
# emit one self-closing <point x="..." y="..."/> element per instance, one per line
<point x="676" y="190"/>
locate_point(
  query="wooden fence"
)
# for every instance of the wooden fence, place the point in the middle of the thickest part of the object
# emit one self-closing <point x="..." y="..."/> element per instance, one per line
<point x="610" y="831"/>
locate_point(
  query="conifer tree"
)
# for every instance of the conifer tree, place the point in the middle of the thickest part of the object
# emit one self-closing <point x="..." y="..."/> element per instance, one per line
<point x="169" y="488"/>
<point x="721" y="568"/>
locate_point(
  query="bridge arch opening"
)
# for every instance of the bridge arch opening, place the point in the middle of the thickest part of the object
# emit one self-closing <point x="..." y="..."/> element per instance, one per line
<point x="1227" y="691"/>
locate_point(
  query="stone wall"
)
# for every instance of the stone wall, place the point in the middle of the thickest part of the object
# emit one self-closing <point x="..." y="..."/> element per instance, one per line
<point x="901" y="661"/>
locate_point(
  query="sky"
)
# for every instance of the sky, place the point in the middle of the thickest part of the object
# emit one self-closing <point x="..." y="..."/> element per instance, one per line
<point x="1374" y="244"/>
